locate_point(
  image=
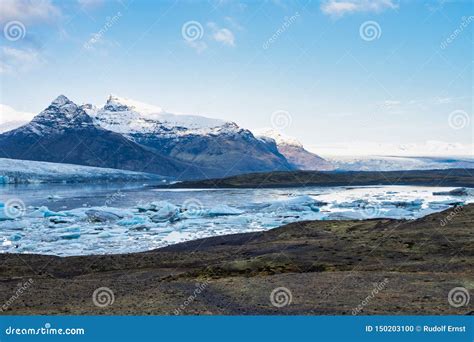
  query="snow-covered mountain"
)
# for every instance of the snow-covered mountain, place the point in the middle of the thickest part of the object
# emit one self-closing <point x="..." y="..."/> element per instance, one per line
<point x="65" y="133"/>
<point x="127" y="134"/>
<point x="219" y="148"/>
<point x="128" y="116"/>
<point x="294" y="151"/>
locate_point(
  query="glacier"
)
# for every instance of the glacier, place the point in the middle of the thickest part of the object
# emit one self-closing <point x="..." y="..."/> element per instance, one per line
<point x="17" y="171"/>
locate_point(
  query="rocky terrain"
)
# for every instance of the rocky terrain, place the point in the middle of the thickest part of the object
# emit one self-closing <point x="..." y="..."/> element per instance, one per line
<point x="308" y="268"/>
<point x="448" y="177"/>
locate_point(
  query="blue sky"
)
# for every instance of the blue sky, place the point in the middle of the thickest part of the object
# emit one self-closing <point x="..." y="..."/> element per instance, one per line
<point x="334" y="82"/>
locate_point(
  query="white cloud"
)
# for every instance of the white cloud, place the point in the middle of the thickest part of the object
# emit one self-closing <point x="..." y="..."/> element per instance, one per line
<point x="90" y="3"/>
<point x="28" y="11"/>
<point x="197" y="45"/>
<point x="222" y="35"/>
<point x="8" y="114"/>
<point x="19" y="60"/>
<point x="338" y="8"/>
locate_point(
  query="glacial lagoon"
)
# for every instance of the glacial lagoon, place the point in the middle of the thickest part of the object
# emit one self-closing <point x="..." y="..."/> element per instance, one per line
<point x="85" y="219"/>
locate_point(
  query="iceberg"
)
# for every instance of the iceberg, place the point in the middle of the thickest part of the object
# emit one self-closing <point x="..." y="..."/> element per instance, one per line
<point x="166" y="212"/>
<point x="133" y="221"/>
<point x="101" y="216"/>
<point x="222" y="210"/>
<point x="299" y="203"/>
<point x="68" y="233"/>
<point x="43" y="211"/>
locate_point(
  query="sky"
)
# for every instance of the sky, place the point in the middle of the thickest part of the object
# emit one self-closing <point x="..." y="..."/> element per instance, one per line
<point x="345" y="76"/>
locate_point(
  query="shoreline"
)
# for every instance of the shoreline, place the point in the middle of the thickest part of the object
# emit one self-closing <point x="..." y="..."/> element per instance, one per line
<point x="328" y="267"/>
<point x="293" y="179"/>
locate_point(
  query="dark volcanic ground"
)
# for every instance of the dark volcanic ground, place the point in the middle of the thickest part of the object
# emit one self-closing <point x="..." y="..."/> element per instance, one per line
<point x="325" y="267"/>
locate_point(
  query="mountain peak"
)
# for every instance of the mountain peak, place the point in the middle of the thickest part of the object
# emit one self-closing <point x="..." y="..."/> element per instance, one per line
<point x="280" y="138"/>
<point x="117" y="103"/>
<point x="60" y="101"/>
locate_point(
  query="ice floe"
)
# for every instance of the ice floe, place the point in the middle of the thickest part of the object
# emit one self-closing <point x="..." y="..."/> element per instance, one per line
<point x="70" y="225"/>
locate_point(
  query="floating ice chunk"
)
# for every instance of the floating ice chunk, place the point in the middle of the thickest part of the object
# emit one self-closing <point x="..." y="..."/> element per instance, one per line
<point x="54" y="197"/>
<point x="398" y="213"/>
<point x="411" y="205"/>
<point x="101" y="216"/>
<point x="15" y="237"/>
<point x="133" y="221"/>
<point x="4" y="215"/>
<point x="44" y="212"/>
<point x="166" y="212"/>
<point x="223" y="210"/>
<point x="152" y="206"/>
<point x="299" y="203"/>
<point x="359" y="203"/>
<point x="70" y="233"/>
<point x="104" y="235"/>
<point x="176" y="236"/>
<point x="346" y="215"/>
<point x="13" y="225"/>
<point x="60" y="220"/>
